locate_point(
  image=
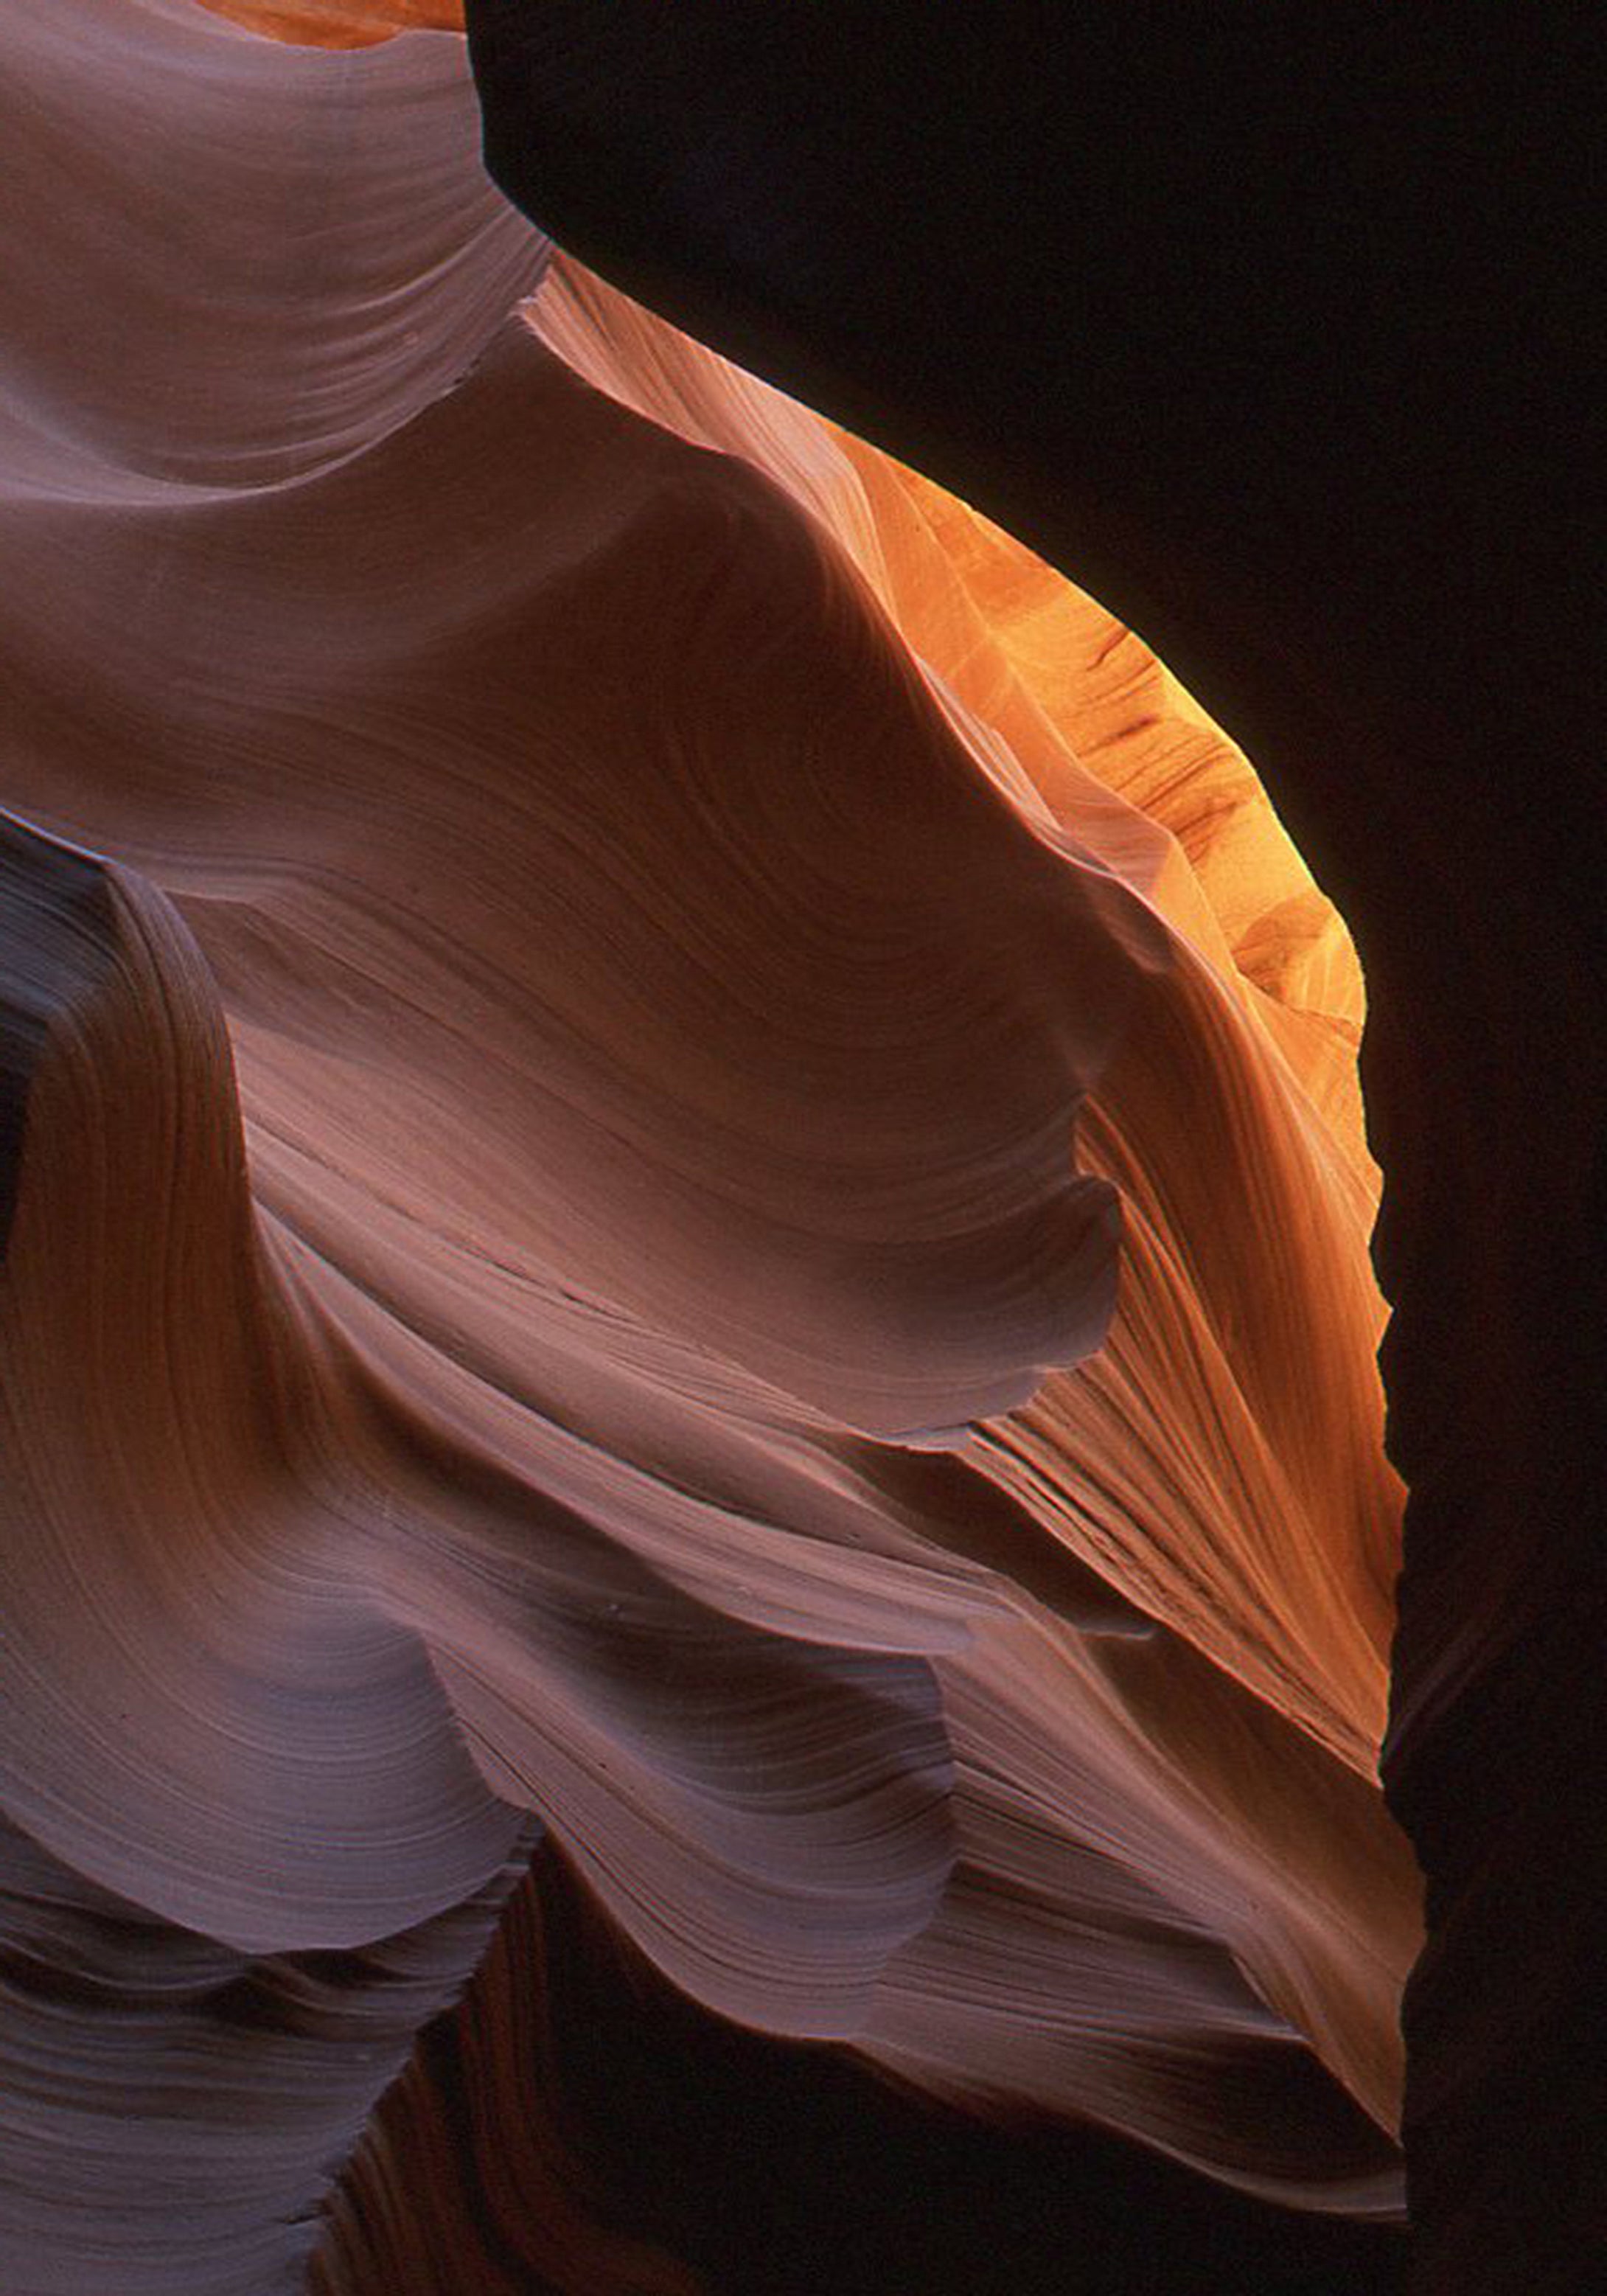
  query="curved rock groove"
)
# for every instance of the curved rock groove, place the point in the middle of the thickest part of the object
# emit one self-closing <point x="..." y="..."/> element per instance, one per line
<point x="686" y="1174"/>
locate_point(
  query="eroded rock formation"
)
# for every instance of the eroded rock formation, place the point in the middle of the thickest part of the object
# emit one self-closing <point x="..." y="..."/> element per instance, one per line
<point x="1278" y="335"/>
<point x="684" y="1175"/>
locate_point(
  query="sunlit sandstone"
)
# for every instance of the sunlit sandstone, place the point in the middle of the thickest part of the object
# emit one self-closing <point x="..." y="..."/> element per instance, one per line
<point x="692" y="1170"/>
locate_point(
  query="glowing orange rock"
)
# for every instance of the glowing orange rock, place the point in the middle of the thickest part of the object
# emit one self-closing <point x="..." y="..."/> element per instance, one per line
<point x="697" y="1174"/>
<point x="339" y="23"/>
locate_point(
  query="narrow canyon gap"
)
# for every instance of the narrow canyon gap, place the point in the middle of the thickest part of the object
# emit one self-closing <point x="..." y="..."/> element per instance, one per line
<point x="1276" y="335"/>
<point x="687" y="1332"/>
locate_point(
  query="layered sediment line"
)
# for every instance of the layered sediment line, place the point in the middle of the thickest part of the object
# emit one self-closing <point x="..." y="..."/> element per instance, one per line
<point x="685" y="1172"/>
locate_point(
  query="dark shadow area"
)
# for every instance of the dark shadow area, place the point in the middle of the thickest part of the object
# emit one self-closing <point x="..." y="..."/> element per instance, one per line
<point x="1272" y="329"/>
<point x="575" y="2111"/>
<point x="785" y="2171"/>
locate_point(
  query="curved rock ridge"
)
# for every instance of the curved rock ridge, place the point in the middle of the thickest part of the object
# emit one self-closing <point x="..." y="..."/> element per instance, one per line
<point x="681" y="1162"/>
<point x="338" y="23"/>
<point x="172" y="2107"/>
<point x="578" y="2126"/>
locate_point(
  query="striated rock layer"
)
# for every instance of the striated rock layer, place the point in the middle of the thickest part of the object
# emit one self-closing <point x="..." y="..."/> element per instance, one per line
<point x="682" y="1171"/>
<point x="1276" y="334"/>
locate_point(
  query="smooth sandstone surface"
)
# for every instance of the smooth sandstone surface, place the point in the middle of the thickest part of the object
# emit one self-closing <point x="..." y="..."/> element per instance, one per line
<point x="1279" y="332"/>
<point x="682" y="1171"/>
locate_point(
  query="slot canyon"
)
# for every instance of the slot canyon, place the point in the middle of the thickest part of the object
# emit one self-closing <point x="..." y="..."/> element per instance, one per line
<point x="755" y="1539"/>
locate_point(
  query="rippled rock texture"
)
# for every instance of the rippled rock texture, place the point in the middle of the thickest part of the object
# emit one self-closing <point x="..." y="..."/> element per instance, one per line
<point x="1276" y="334"/>
<point x="687" y="1331"/>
